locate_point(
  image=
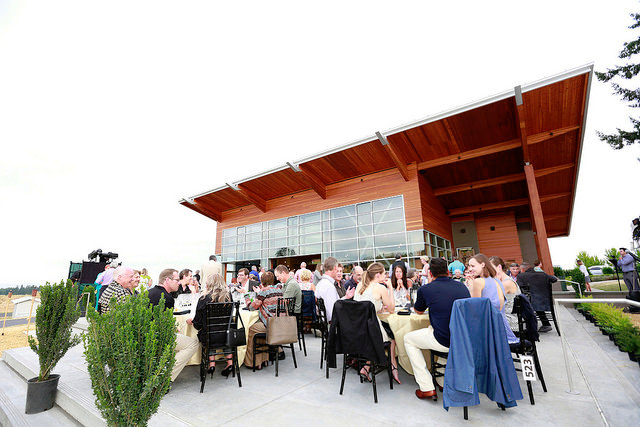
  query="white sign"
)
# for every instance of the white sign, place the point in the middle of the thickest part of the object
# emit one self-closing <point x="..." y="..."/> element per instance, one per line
<point x="528" y="368"/>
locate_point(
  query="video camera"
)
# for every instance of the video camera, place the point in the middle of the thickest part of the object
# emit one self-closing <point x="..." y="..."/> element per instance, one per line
<point x="102" y="257"/>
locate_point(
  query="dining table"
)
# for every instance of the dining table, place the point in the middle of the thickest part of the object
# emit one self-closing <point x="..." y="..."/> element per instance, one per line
<point x="248" y="318"/>
<point x="401" y="324"/>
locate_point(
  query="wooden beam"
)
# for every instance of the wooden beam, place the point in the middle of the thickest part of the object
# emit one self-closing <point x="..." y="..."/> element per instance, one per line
<point x="204" y="210"/>
<point x="255" y="199"/>
<point x="498" y="180"/>
<point x="452" y="138"/>
<point x="521" y="124"/>
<point x="495" y="148"/>
<point x="535" y="201"/>
<point x="402" y="167"/>
<point x="316" y="184"/>
<point x="554" y="217"/>
<point x="502" y="205"/>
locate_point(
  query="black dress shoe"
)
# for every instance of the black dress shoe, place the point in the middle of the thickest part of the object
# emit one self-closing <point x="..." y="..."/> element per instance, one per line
<point x="281" y="355"/>
<point x="545" y="328"/>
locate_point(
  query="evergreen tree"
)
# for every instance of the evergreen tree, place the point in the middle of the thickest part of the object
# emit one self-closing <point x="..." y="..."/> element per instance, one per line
<point x="632" y="96"/>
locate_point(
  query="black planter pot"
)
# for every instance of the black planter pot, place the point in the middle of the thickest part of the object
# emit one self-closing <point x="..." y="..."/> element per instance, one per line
<point x="41" y="395"/>
<point x="632" y="357"/>
<point x="611" y="337"/>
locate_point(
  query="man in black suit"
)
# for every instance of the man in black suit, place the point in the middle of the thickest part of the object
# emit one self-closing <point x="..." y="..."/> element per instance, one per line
<point x="245" y="284"/>
<point x="539" y="285"/>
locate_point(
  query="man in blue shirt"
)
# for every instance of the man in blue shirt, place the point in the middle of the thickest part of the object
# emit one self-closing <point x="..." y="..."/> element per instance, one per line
<point x="628" y="266"/>
<point x="455" y="265"/>
<point x="438" y="296"/>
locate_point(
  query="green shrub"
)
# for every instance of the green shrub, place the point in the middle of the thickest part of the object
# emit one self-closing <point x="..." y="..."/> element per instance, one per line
<point x="55" y="316"/>
<point x="130" y="355"/>
<point x="558" y="272"/>
<point x="91" y="292"/>
<point x="576" y="275"/>
<point x="608" y="270"/>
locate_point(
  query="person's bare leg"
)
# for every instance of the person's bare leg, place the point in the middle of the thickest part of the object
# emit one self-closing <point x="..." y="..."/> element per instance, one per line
<point x="394" y="364"/>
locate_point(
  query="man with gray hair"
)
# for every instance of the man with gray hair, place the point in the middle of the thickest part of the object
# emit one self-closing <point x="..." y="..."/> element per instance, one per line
<point x="120" y="287"/>
<point x="326" y="288"/>
<point x="356" y="276"/>
<point x="303" y="266"/>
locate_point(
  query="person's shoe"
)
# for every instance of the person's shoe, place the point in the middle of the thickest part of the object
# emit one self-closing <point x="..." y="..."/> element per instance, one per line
<point x="226" y="371"/>
<point x="281" y="355"/>
<point x="545" y="328"/>
<point x="425" y="394"/>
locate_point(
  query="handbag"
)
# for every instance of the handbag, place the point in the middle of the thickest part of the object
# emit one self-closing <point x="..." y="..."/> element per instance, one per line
<point x="282" y="330"/>
<point x="236" y="337"/>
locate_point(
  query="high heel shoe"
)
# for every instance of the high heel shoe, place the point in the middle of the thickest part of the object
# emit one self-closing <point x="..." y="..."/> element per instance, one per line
<point x="395" y="377"/>
<point x="226" y="371"/>
<point x="212" y="369"/>
<point x="364" y="375"/>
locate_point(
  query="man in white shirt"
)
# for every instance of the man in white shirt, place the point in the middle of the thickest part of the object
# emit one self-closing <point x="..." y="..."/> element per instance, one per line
<point x="245" y="284"/>
<point x="303" y="266"/>
<point x="326" y="287"/>
<point x="210" y="268"/>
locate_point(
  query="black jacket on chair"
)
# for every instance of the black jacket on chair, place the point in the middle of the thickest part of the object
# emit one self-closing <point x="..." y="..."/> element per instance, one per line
<point x="539" y="285"/>
<point x="355" y="330"/>
<point x="530" y="318"/>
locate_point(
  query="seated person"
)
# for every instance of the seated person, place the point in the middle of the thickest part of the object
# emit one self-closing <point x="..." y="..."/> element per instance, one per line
<point x="400" y="283"/>
<point x="266" y="301"/>
<point x="186" y="346"/>
<point x="511" y="289"/>
<point x="215" y="290"/>
<point x="328" y="288"/>
<point x="290" y="287"/>
<point x="305" y="281"/>
<point x="120" y="287"/>
<point x="486" y="285"/>
<point x="438" y="296"/>
<point x="246" y="282"/>
<point x="457" y="275"/>
<point x="375" y="287"/>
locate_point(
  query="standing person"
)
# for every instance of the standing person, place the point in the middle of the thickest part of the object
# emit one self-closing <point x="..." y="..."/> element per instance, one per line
<point x="339" y="284"/>
<point x="266" y="302"/>
<point x="254" y="272"/>
<point x="424" y="273"/>
<point x="196" y="276"/>
<point x="583" y="270"/>
<point x="438" y="296"/>
<point x="486" y="285"/>
<point x="455" y="265"/>
<point x="514" y="270"/>
<point x="398" y="262"/>
<point x="211" y="267"/>
<point x="326" y="288"/>
<point x="145" y="280"/>
<point x="628" y="266"/>
<point x="290" y="286"/>
<point x="539" y="285"/>
<point x="303" y="267"/>
<point x="121" y="286"/>
<point x="356" y="276"/>
<point x="317" y="274"/>
<point x="375" y="287"/>
<point x="104" y="279"/>
<point x="214" y="290"/>
<point x="186" y="346"/>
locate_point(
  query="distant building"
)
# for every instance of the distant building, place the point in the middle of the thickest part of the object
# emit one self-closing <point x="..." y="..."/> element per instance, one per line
<point x="21" y="307"/>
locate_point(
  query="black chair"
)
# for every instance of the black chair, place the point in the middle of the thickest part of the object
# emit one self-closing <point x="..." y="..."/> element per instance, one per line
<point x="323" y="326"/>
<point x="527" y="344"/>
<point x="435" y="365"/>
<point x="219" y="318"/>
<point x="284" y="305"/>
<point x="307" y="315"/>
<point x="351" y="357"/>
<point x="551" y="312"/>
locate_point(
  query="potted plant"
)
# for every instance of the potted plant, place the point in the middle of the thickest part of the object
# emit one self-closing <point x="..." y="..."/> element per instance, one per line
<point x="130" y="352"/>
<point x="54" y="318"/>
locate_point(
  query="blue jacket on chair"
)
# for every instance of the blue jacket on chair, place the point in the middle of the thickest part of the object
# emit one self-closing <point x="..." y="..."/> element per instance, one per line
<point x="479" y="357"/>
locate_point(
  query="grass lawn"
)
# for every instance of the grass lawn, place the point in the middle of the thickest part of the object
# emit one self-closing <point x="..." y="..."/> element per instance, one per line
<point x="609" y="285"/>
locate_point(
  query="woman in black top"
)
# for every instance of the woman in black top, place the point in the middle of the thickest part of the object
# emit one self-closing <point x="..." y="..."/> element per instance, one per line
<point x="215" y="290"/>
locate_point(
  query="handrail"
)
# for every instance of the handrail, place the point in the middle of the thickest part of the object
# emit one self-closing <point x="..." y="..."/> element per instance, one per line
<point x="562" y="336"/>
<point x="573" y="283"/>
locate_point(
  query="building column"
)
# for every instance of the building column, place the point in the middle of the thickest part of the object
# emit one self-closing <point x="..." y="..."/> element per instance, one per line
<point x="538" y="220"/>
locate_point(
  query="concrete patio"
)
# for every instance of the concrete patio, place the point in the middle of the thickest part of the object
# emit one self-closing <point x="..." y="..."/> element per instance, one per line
<point x="606" y="382"/>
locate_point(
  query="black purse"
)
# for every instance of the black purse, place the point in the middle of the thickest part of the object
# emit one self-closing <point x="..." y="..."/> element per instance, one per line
<point x="236" y="337"/>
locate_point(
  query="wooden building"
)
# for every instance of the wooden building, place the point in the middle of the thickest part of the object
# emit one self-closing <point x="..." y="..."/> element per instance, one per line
<point x="497" y="176"/>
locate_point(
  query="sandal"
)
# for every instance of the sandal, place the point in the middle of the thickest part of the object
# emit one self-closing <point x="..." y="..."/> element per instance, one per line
<point x="226" y="371"/>
<point x="364" y="374"/>
<point x="395" y="376"/>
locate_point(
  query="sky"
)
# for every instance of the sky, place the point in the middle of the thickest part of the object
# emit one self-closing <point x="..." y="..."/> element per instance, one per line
<point x="111" y="112"/>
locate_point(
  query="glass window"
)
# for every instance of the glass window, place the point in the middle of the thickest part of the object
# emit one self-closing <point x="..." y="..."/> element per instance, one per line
<point x="326" y="235"/>
<point x="366" y="242"/>
<point x="392" y="215"/>
<point x="366" y="253"/>
<point x="311" y="249"/>
<point x="345" y="233"/>
<point x="326" y="247"/>
<point x="390" y="203"/>
<point x="364" y="208"/>
<point x="325" y="215"/>
<point x="292" y="221"/>
<point x="254" y="237"/>
<point x="390" y="239"/>
<point x="389" y="227"/>
<point x="252" y="254"/>
<point x="364" y="219"/>
<point x="365" y="231"/>
<point x="293" y="240"/>
<point x="415" y="237"/>
<point x="440" y="242"/>
<point x="433" y="239"/>
<point x="229" y="250"/>
<point x="277" y="243"/>
<point x="228" y="232"/>
<point x="390" y="251"/>
<point x="253" y="246"/>
<point x="343" y="222"/>
<point x="240" y="230"/>
<point x="343" y="245"/>
<point x="240" y="238"/>
<point x="343" y="211"/>
<point x="311" y="238"/>
<point x="310" y="228"/>
<point x="417" y="250"/>
<point x="346" y="256"/>
<point x="277" y="223"/>
<point x="254" y="228"/>
<point x="310" y="217"/>
<point x="231" y="240"/>
<point x="281" y="232"/>
<point x="447" y="244"/>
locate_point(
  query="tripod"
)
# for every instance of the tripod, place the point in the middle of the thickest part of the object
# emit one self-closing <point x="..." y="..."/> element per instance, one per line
<point x="614" y="262"/>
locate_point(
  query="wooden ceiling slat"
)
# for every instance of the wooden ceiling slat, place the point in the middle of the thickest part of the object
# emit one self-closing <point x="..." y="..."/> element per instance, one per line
<point x="318" y="186"/>
<point x="253" y="198"/>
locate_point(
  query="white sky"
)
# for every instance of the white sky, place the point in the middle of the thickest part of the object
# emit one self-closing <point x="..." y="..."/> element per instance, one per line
<point x="111" y="112"/>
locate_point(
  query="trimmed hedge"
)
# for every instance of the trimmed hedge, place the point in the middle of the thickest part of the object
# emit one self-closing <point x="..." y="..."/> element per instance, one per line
<point x="613" y="321"/>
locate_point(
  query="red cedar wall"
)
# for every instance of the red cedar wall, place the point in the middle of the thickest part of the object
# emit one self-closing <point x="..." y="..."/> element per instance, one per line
<point x="434" y="217"/>
<point x="502" y="242"/>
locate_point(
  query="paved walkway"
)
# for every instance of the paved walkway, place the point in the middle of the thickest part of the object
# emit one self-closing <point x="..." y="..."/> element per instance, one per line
<point x="606" y="381"/>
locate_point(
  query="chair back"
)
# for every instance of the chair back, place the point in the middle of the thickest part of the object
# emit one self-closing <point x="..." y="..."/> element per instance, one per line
<point x="322" y="313"/>
<point x="527" y="320"/>
<point x="220" y="317"/>
<point x="286" y="306"/>
<point x="353" y="320"/>
<point x="309" y="305"/>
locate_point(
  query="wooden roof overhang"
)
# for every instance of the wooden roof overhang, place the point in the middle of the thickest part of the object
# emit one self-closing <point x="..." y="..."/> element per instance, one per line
<point x="473" y="156"/>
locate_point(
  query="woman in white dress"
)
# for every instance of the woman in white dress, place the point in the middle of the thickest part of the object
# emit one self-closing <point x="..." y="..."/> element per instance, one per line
<point x="375" y="287"/>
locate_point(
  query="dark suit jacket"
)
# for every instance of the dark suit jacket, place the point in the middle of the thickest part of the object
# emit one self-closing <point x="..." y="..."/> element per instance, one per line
<point x="539" y="285"/>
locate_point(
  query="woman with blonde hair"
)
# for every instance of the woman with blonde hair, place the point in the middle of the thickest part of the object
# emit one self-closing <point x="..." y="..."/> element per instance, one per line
<point x="424" y="273"/>
<point x="486" y="285"/>
<point x="375" y="287"/>
<point x="215" y="290"/>
<point x="305" y="281"/>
